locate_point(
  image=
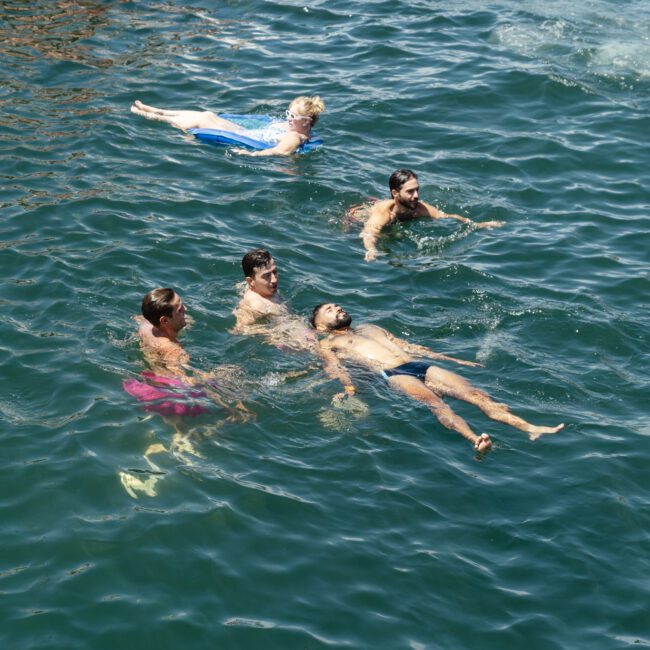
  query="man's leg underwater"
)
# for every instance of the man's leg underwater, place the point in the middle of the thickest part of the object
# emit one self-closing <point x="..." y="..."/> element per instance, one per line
<point x="415" y="389"/>
<point x="448" y="383"/>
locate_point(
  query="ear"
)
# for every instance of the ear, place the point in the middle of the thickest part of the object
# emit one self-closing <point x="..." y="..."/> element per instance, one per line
<point x="394" y="193"/>
<point x="318" y="325"/>
<point x="249" y="282"/>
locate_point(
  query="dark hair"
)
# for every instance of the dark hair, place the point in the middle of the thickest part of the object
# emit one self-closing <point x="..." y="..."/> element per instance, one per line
<point x="158" y="303"/>
<point x="399" y="177"/>
<point x="255" y="259"/>
<point x="314" y="313"/>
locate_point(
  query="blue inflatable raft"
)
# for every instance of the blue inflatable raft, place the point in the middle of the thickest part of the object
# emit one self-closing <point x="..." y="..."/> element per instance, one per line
<point x="233" y="138"/>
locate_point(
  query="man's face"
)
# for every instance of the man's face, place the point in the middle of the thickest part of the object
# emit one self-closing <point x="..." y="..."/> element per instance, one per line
<point x="408" y="195"/>
<point x="177" y="320"/>
<point x="265" y="280"/>
<point x="333" y="317"/>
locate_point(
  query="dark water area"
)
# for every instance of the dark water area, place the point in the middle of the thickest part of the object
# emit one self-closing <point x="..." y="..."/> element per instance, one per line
<point x="309" y="526"/>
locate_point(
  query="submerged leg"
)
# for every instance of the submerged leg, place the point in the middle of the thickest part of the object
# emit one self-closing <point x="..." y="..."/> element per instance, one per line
<point x="133" y="484"/>
<point x="415" y="389"/>
<point x="448" y="383"/>
<point x="184" y="119"/>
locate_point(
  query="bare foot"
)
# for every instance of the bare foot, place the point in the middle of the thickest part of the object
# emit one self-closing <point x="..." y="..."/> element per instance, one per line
<point x="538" y="432"/>
<point x="150" y="109"/>
<point x="483" y="443"/>
<point x="149" y="112"/>
<point x="133" y="485"/>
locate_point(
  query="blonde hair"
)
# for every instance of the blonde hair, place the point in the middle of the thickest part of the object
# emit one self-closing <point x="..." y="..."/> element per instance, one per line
<point x="312" y="106"/>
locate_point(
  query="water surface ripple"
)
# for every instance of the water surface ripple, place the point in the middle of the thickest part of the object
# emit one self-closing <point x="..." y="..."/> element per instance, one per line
<point x="306" y="527"/>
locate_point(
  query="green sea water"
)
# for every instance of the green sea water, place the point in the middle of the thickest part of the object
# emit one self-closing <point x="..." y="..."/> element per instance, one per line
<point x="308" y="526"/>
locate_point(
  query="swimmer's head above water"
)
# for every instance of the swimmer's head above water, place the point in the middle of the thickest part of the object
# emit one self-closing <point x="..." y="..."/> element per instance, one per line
<point x="305" y="107"/>
<point x="404" y="188"/>
<point x="328" y="317"/>
<point x="165" y="310"/>
<point x="260" y="272"/>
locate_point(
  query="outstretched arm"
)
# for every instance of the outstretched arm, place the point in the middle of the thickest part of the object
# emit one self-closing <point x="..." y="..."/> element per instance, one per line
<point x="335" y="370"/>
<point x="377" y="220"/>
<point x="434" y="213"/>
<point x="286" y="146"/>
<point x="421" y="351"/>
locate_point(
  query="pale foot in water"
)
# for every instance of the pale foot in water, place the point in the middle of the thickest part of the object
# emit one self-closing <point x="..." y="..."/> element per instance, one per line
<point x="181" y="444"/>
<point x="483" y="443"/>
<point x="156" y="448"/>
<point x="148" y="112"/>
<point x="179" y="119"/>
<point x="133" y="484"/>
<point x="537" y="432"/>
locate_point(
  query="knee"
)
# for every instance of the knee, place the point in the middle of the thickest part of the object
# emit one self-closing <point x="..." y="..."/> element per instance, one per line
<point x="446" y="417"/>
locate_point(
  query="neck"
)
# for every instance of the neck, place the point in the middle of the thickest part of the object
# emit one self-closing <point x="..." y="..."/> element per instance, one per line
<point x="402" y="210"/>
<point x="274" y="298"/>
<point x="306" y="130"/>
<point x="165" y="333"/>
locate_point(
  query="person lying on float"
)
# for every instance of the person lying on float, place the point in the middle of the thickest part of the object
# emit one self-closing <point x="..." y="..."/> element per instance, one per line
<point x="282" y="137"/>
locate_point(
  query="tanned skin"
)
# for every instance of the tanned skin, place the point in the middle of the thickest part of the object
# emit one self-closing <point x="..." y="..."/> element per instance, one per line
<point x="378" y="350"/>
<point x="405" y="205"/>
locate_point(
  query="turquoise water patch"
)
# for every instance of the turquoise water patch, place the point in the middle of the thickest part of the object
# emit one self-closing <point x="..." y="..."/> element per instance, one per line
<point x="308" y="526"/>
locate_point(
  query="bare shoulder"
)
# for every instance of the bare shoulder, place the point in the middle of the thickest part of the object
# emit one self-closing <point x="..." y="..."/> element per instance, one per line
<point x="425" y="209"/>
<point x="263" y="306"/>
<point x="289" y="141"/>
<point x="381" y="210"/>
<point x="161" y="352"/>
<point x="325" y="343"/>
<point x="244" y="313"/>
<point x="253" y="307"/>
<point x="145" y="329"/>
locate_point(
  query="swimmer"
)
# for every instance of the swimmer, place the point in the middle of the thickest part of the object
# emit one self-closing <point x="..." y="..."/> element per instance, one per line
<point x="169" y="390"/>
<point x="261" y="310"/>
<point x="163" y="314"/>
<point x="404" y="205"/>
<point x="283" y="137"/>
<point x="163" y="319"/>
<point x="261" y="299"/>
<point x="380" y="351"/>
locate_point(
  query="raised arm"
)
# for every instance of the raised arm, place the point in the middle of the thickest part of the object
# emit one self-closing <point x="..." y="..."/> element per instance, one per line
<point x="379" y="217"/>
<point x="286" y="146"/>
<point x="434" y="213"/>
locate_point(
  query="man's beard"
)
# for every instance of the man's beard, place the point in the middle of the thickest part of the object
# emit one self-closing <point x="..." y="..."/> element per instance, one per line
<point x="407" y="206"/>
<point x="343" y="320"/>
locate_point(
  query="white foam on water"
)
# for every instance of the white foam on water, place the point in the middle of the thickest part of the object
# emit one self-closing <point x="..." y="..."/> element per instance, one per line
<point x="624" y="57"/>
<point x="602" y="39"/>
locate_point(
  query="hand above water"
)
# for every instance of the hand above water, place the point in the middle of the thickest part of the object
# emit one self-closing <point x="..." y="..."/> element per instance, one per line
<point x="483" y="443"/>
<point x="489" y="224"/>
<point x="339" y="397"/>
<point x="462" y="362"/>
